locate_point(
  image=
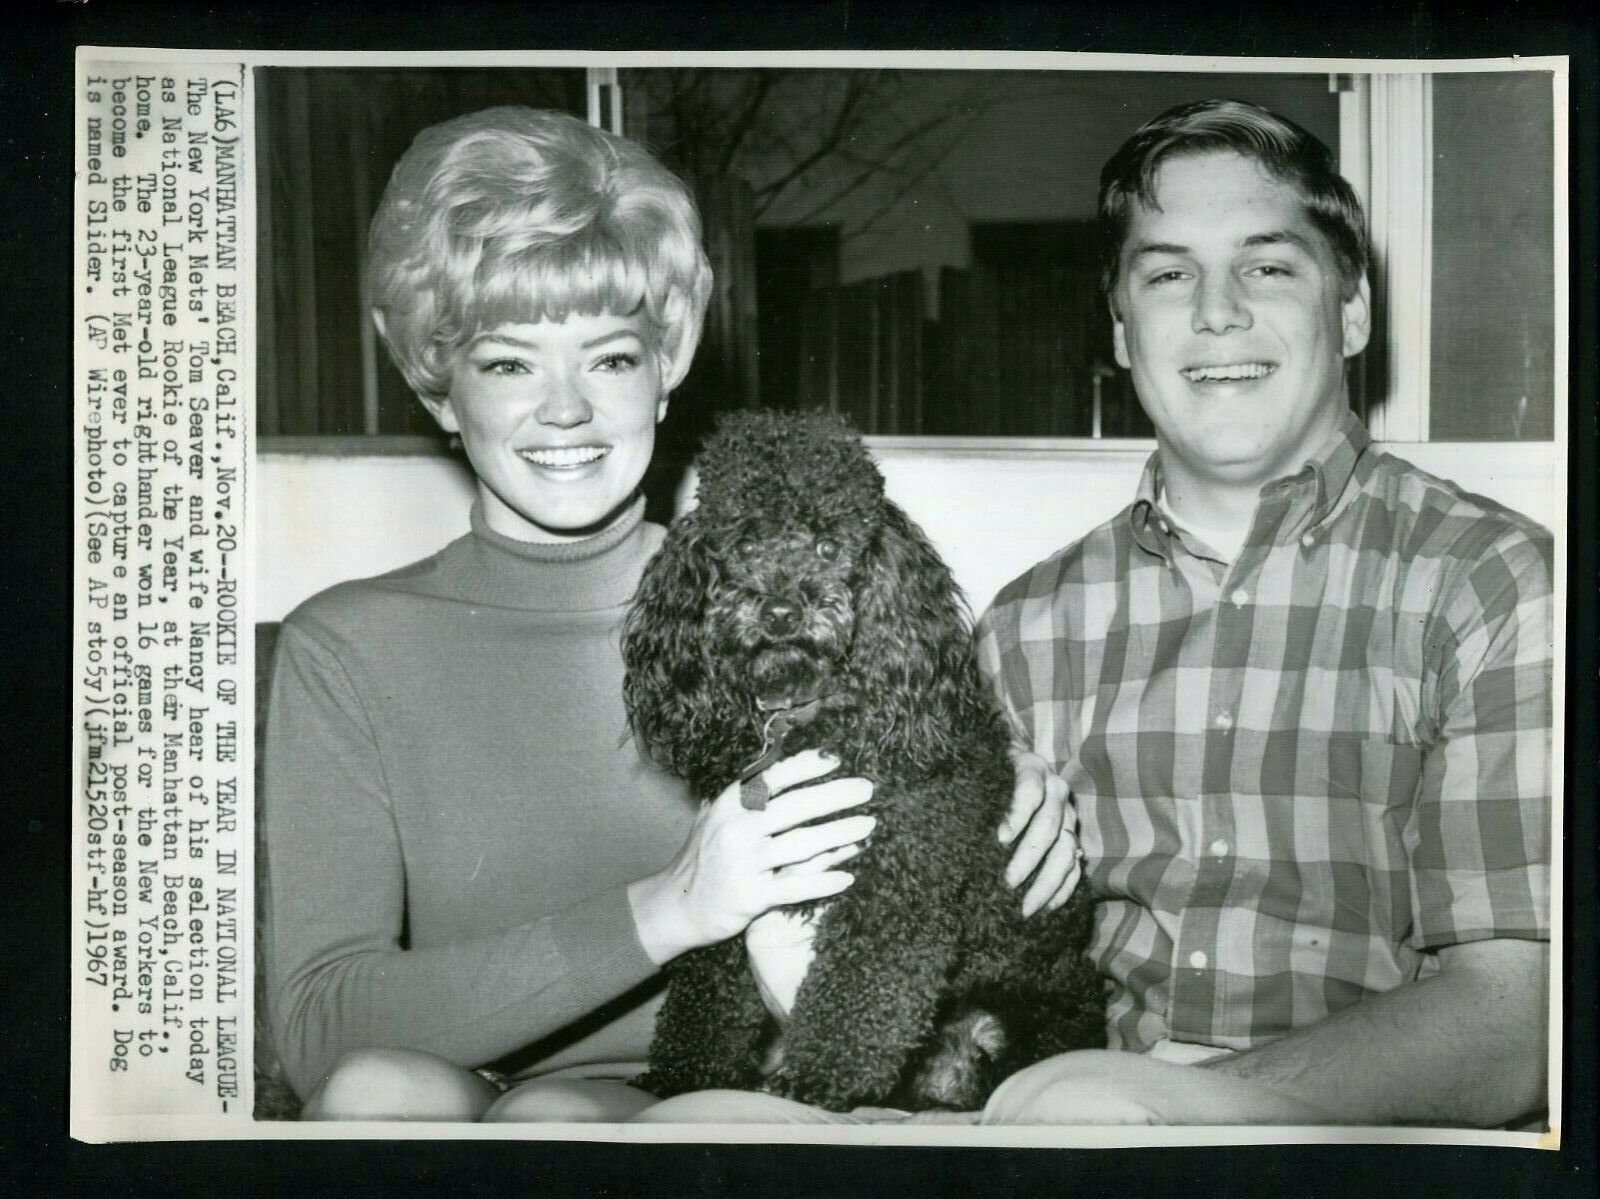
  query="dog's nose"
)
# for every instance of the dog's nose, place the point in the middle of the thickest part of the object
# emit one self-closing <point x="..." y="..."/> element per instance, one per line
<point x="780" y="617"/>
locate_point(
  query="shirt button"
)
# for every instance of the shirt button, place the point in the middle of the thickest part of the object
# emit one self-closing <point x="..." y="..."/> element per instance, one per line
<point x="1224" y="721"/>
<point x="1240" y="597"/>
<point x="1219" y="847"/>
<point x="1308" y="540"/>
<point x="1197" y="960"/>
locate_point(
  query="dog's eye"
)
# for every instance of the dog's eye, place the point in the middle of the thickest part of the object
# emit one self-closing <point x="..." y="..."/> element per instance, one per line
<point x="827" y="549"/>
<point x="746" y="547"/>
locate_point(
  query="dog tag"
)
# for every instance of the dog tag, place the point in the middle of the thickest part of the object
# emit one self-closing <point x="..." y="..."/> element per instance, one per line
<point x="753" y="793"/>
<point x="753" y="790"/>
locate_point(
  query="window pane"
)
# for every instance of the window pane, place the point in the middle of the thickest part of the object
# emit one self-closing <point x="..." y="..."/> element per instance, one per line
<point x="1493" y="354"/>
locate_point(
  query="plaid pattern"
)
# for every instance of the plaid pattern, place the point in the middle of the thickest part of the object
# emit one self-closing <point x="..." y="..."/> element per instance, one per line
<point x="1296" y="775"/>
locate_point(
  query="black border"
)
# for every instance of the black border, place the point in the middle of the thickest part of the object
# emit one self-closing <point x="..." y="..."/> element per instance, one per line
<point x="35" y="271"/>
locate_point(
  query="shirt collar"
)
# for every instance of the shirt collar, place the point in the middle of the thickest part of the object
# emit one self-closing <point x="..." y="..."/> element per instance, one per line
<point x="1150" y="528"/>
<point x="1325" y="476"/>
<point x="1335" y="463"/>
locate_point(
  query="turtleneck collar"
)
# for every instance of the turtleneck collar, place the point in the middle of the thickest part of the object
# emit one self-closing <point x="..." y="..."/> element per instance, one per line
<point x="595" y="573"/>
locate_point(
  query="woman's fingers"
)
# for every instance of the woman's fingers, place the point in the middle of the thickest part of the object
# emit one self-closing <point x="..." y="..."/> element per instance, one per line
<point x="1058" y="875"/>
<point x="806" y="804"/>
<point x="798" y="886"/>
<point x="825" y="860"/>
<point x="785" y="780"/>
<point x="1047" y="850"/>
<point x="1044" y="827"/>
<point x="1033" y="773"/>
<point x="798" y="768"/>
<point x="800" y="845"/>
<point x="1065" y="890"/>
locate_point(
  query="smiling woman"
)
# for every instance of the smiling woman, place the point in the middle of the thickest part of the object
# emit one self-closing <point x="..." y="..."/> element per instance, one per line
<point x="558" y="420"/>
<point x="444" y="894"/>
<point x="475" y="876"/>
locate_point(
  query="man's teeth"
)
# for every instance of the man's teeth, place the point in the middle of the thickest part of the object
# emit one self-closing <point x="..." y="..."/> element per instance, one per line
<point x="566" y="455"/>
<point x="1235" y="370"/>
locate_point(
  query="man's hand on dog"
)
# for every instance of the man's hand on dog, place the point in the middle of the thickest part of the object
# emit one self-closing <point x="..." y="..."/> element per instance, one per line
<point x="739" y="863"/>
<point x="1047" y="852"/>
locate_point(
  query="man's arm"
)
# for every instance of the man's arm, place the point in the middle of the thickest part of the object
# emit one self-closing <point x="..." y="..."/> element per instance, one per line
<point x="1464" y="1046"/>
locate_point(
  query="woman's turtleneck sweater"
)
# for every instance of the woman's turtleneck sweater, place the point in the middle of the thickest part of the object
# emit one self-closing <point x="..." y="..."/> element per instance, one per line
<point x="452" y="811"/>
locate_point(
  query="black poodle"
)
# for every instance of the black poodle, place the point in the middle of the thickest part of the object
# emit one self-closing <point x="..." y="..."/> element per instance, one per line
<point x="798" y="607"/>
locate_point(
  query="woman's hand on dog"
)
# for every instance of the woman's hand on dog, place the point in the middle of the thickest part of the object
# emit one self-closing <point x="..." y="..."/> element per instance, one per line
<point x="1047" y="852"/>
<point x="739" y="863"/>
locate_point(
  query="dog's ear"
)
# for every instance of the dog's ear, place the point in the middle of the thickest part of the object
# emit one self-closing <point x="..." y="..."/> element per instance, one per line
<point x="668" y="688"/>
<point x="912" y="653"/>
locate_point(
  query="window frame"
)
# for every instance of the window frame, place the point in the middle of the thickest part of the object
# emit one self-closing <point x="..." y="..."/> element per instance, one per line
<point x="1386" y="152"/>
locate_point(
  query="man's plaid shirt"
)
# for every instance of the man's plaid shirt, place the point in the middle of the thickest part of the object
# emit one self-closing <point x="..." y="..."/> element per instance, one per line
<point x="1297" y="775"/>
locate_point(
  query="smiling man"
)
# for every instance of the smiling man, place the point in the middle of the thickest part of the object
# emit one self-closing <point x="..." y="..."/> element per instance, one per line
<point x="1299" y="691"/>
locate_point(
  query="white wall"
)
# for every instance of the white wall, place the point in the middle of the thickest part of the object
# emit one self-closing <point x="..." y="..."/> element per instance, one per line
<point x="993" y="510"/>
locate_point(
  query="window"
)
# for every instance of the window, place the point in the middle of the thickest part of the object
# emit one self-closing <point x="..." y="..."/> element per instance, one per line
<point x="1456" y="172"/>
<point x="1492" y="354"/>
<point x="915" y="248"/>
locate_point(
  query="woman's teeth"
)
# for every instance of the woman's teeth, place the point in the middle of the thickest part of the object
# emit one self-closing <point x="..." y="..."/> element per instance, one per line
<point x="565" y="455"/>
<point x="1236" y="370"/>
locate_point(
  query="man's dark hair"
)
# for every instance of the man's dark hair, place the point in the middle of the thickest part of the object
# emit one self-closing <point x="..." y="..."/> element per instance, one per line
<point x="1284" y="150"/>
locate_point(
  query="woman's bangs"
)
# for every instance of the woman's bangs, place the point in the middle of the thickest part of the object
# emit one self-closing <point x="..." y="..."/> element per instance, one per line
<point x="553" y="281"/>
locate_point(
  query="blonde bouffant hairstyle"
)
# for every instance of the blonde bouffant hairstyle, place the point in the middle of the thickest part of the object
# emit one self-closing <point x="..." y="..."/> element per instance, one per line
<point x="514" y="215"/>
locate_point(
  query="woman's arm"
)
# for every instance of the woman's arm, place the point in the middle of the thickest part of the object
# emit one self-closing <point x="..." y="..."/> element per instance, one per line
<point x="337" y="975"/>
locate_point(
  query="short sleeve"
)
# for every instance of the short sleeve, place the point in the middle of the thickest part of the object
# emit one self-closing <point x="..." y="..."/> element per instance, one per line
<point x="1479" y="836"/>
<point x="988" y="642"/>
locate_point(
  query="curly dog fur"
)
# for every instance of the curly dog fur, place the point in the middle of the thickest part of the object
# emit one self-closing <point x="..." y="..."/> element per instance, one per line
<point x="795" y="577"/>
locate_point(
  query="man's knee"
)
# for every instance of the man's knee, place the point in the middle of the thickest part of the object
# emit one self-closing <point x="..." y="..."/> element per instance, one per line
<point x="398" y="1084"/>
<point x="571" y="1101"/>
